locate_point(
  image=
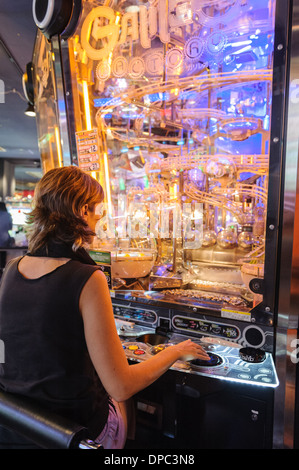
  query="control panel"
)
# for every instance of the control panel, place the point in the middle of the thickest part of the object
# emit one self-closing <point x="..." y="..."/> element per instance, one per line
<point x="193" y="325"/>
<point x="135" y="313"/>
<point x="205" y="327"/>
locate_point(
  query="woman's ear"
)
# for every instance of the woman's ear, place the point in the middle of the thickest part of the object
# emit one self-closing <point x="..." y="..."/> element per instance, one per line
<point x="84" y="210"/>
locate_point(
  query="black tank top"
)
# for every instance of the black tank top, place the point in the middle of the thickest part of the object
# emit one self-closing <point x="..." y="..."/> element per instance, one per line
<point x="46" y="356"/>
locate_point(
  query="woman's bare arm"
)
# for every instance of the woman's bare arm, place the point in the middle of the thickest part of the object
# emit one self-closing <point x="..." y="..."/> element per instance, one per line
<point x="120" y="379"/>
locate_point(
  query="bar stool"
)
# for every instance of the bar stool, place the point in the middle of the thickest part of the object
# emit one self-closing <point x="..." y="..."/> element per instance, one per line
<point x="26" y="424"/>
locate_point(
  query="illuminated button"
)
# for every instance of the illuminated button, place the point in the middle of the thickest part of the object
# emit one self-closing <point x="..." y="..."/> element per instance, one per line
<point x="133" y="347"/>
<point x="139" y="352"/>
<point x="244" y="376"/>
<point x="124" y="347"/>
<point x="265" y="370"/>
<point x="157" y="349"/>
<point x="266" y="379"/>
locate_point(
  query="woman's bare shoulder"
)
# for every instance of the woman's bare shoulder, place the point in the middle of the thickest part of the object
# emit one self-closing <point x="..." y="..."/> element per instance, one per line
<point x="98" y="278"/>
<point x="95" y="292"/>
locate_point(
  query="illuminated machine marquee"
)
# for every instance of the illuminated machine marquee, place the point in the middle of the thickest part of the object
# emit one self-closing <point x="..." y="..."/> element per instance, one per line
<point x="142" y="24"/>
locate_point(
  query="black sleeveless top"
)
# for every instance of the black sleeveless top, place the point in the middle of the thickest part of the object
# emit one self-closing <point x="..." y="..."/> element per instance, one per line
<point x="46" y="356"/>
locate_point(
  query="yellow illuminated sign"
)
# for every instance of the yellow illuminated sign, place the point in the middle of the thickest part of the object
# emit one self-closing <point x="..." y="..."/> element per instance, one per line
<point x="110" y="32"/>
<point x="142" y="24"/>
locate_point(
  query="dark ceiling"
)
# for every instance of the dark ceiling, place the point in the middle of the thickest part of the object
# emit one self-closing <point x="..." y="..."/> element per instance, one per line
<point x="18" y="135"/>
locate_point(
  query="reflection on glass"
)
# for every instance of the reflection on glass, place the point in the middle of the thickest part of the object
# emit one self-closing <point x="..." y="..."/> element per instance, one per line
<point x="49" y="140"/>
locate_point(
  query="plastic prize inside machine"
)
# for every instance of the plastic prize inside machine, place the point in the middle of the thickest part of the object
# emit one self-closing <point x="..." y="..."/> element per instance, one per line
<point x="172" y="107"/>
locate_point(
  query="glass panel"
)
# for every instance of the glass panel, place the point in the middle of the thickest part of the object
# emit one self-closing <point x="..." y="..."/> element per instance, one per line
<point x="176" y="99"/>
<point x="45" y="103"/>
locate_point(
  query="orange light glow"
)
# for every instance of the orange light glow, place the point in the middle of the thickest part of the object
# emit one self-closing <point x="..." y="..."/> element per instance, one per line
<point x="107" y="179"/>
<point x="86" y="106"/>
<point x="58" y="146"/>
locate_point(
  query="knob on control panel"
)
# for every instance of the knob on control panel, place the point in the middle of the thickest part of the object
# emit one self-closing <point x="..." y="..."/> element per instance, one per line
<point x="252" y="355"/>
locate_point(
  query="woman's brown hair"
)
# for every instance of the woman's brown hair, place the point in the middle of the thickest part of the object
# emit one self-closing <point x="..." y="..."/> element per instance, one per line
<point x="59" y="198"/>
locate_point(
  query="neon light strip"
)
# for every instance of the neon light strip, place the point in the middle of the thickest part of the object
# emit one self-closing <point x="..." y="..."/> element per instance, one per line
<point x="86" y="105"/>
<point x="108" y="192"/>
<point x="58" y="145"/>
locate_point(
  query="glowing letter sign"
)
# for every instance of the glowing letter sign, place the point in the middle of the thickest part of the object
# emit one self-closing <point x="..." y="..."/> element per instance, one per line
<point x="110" y="32"/>
<point x="141" y="25"/>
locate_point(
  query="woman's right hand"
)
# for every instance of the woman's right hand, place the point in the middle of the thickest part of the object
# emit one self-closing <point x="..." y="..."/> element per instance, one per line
<point x="188" y="351"/>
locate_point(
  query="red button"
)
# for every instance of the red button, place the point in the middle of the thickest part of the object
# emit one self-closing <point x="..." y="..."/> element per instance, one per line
<point x="139" y="352"/>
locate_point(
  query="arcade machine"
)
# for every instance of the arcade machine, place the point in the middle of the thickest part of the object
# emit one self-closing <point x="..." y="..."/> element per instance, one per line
<point x="186" y="112"/>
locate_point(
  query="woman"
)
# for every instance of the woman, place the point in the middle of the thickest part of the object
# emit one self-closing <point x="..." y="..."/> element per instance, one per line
<point x="56" y="316"/>
<point x="5" y="226"/>
<point x="6" y="240"/>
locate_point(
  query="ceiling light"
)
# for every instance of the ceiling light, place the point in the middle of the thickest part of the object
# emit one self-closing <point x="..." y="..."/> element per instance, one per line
<point x="30" y="110"/>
